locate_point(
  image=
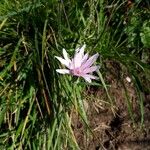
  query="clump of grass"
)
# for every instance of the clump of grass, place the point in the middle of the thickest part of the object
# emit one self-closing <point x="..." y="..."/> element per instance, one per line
<point x="35" y="102"/>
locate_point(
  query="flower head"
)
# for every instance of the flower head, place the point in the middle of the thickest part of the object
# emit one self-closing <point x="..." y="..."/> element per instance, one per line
<point x="80" y="65"/>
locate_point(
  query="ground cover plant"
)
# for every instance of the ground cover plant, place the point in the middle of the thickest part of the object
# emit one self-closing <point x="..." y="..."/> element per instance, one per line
<point x="42" y="109"/>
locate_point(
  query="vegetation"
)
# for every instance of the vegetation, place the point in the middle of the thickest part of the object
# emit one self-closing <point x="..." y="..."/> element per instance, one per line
<point x="36" y="103"/>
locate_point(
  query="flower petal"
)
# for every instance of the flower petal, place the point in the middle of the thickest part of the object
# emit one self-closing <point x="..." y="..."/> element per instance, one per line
<point x="63" y="71"/>
<point x="85" y="57"/>
<point x="91" y="69"/>
<point x="80" y="49"/>
<point x="71" y="65"/>
<point x="63" y="61"/>
<point x="65" y="54"/>
<point x="78" y="56"/>
<point x="90" y="61"/>
<point x="88" y="77"/>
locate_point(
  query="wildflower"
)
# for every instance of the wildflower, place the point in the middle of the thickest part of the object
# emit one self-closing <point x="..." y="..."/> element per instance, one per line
<point x="80" y="65"/>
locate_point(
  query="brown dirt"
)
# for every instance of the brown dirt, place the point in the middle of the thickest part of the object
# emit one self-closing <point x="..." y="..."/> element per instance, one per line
<point x="112" y="128"/>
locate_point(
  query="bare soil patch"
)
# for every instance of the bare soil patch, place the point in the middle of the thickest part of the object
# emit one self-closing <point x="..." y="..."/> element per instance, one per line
<point x="112" y="127"/>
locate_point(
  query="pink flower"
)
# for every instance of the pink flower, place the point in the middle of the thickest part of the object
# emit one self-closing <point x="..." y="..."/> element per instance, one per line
<point x="80" y="65"/>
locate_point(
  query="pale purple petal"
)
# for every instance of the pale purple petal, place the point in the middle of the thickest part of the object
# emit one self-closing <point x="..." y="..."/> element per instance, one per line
<point x="72" y="66"/>
<point x="85" y="57"/>
<point x="65" y="54"/>
<point x="63" y="71"/>
<point x="91" y="69"/>
<point x="63" y="61"/>
<point x="77" y="61"/>
<point x="88" y="77"/>
<point x="81" y="49"/>
<point x="90" y="61"/>
<point x="78" y="57"/>
<point x="77" y="50"/>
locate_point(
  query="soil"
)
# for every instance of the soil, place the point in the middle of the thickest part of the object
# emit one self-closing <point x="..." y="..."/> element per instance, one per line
<point x="111" y="125"/>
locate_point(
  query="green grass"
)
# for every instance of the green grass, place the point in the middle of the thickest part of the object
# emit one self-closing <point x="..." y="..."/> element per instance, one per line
<point x="35" y="101"/>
